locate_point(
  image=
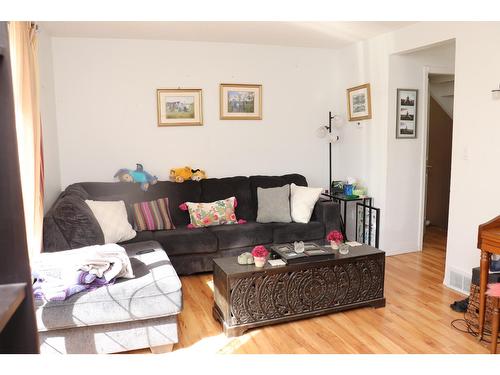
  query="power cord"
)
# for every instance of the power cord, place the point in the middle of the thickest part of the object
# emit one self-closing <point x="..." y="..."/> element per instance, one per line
<point x="471" y="328"/>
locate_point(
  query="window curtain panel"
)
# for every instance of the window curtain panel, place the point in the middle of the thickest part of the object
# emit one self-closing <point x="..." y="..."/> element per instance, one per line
<point x="25" y="80"/>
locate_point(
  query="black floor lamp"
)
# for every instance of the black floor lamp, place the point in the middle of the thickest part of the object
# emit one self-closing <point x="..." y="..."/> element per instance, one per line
<point x="326" y="132"/>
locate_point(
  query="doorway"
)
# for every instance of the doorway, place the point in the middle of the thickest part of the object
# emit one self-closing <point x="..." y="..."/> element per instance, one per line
<point x="438" y="163"/>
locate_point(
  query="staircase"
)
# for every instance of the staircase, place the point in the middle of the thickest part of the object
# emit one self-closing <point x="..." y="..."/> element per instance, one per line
<point x="441" y="88"/>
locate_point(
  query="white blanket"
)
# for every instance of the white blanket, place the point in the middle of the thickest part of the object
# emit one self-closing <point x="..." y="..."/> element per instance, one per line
<point x="108" y="261"/>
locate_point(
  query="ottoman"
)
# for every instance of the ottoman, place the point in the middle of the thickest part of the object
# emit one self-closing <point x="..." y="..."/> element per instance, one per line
<point x="130" y="314"/>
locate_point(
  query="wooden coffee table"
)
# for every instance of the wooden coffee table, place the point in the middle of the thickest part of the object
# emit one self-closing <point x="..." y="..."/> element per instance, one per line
<point x="246" y="296"/>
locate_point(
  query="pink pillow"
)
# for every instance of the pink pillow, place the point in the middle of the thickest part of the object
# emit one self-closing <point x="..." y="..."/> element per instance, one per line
<point x="213" y="213"/>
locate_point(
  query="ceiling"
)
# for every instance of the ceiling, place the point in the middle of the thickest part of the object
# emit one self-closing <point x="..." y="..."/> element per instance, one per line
<point x="294" y="34"/>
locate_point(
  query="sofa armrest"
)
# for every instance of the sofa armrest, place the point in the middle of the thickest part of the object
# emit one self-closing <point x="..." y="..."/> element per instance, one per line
<point x="70" y="224"/>
<point x="328" y="213"/>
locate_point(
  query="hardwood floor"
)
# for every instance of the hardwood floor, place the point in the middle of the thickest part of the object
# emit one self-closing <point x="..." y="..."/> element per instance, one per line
<point x="416" y="318"/>
<point x="435" y="238"/>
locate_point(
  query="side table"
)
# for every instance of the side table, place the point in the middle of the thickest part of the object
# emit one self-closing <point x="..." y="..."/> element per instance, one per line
<point x="343" y="200"/>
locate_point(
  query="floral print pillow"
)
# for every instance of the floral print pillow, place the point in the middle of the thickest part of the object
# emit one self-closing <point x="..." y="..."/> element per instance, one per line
<point x="214" y="213"/>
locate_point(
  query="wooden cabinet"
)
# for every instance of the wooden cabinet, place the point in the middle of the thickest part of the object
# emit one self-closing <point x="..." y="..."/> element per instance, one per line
<point x="246" y="296"/>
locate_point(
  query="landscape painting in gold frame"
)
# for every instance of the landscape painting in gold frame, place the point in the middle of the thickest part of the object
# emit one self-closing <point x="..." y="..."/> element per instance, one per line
<point x="240" y="102"/>
<point x="359" y="103"/>
<point x="177" y="107"/>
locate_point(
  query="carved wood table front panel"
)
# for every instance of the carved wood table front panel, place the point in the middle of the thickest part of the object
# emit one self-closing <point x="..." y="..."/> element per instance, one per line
<point x="246" y="296"/>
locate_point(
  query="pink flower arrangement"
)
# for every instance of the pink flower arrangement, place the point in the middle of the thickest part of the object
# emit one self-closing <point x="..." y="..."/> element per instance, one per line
<point x="335" y="236"/>
<point x="260" y="252"/>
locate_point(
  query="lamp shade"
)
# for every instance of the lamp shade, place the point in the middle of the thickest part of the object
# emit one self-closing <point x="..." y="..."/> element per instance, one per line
<point x="338" y="121"/>
<point x="333" y="137"/>
<point x="322" y="132"/>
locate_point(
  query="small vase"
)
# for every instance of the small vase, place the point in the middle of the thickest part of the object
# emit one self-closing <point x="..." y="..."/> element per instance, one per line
<point x="259" y="262"/>
<point x="334" y="245"/>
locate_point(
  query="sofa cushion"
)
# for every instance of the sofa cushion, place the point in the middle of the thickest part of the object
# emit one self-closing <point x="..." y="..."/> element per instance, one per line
<point x="186" y="240"/>
<point x="213" y="189"/>
<point x="154" y="292"/>
<point x="212" y="213"/>
<point x="110" y="191"/>
<point x="132" y="193"/>
<point x="113" y="220"/>
<point x="289" y="232"/>
<point x="177" y="193"/>
<point x="302" y="202"/>
<point x="295" y="178"/>
<point x="241" y="235"/>
<point x="273" y="205"/>
<point x="271" y="182"/>
<point x="152" y="215"/>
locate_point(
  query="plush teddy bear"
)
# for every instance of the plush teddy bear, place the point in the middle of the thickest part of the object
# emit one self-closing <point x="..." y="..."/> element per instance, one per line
<point x="180" y="174"/>
<point x="139" y="176"/>
<point x="198" y="174"/>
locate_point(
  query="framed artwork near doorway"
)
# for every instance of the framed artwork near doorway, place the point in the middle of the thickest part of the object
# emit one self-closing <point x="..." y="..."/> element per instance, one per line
<point x="359" y="103"/>
<point x="406" y="113"/>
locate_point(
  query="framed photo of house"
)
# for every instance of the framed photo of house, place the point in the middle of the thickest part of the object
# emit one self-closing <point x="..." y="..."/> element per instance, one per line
<point x="178" y="107"/>
<point x="359" y="103"/>
<point x="406" y="113"/>
<point x="240" y="102"/>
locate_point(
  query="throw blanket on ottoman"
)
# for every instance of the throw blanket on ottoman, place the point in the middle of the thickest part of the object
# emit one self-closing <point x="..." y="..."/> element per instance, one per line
<point x="60" y="275"/>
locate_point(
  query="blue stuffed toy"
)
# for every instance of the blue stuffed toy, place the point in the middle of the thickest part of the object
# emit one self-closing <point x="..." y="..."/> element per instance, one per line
<point x="139" y="175"/>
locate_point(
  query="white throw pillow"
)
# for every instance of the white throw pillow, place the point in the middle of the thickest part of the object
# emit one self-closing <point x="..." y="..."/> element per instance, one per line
<point x="112" y="218"/>
<point x="302" y="201"/>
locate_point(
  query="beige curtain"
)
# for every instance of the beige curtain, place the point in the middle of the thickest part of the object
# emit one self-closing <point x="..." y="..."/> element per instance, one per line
<point x="24" y="61"/>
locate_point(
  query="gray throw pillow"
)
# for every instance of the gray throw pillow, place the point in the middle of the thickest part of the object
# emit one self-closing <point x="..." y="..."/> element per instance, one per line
<point x="273" y="205"/>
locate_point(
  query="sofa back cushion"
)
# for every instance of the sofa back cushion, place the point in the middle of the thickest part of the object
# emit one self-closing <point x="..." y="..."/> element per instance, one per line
<point x="70" y="224"/>
<point x="272" y="182"/>
<point x="131" y="193"/>
<point x="214" y="189"/>
<point x="177" y="193"/>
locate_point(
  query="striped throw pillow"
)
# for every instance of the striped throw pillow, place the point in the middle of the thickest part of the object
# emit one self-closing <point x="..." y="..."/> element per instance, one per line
<point x="152" y="215"/>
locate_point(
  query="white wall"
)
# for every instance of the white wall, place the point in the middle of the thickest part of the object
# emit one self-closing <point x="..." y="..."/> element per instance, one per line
<point x="475" y="178"/>
<point x="106" y="117"/>
<point x="363" y="146"/>
<point x="48" y="114"/>
<point x="405" y="157"/>
<point x="106" y="108"/>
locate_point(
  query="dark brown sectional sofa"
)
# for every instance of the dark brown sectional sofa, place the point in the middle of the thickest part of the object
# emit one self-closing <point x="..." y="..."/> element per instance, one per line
<point x="70" y="223"/>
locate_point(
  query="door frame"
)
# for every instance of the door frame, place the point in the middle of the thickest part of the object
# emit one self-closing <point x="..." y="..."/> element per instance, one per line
<point x="425" y="144"/>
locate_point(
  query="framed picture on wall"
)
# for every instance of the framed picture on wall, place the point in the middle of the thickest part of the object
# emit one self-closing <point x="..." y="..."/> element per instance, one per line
<point x="240" y="102"/>
<point x="406" y="113"/>
<point x="359" y="103"/>
<point x="177" y="107"/>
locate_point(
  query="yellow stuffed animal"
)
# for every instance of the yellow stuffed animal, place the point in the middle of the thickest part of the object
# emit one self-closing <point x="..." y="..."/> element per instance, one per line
<point x="180" y="174"/>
